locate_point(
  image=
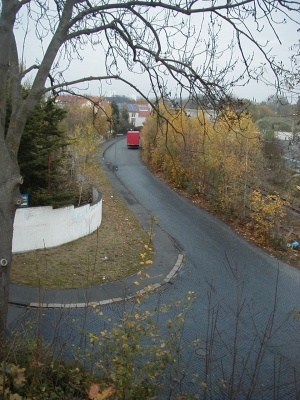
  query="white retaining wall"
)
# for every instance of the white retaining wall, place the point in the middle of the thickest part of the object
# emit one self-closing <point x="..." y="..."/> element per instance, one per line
<point x="40" y="227"/>
<point x="284" y="135"/>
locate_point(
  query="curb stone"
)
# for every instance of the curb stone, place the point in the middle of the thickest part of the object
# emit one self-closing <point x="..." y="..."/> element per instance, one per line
<point x="167" y="279"/>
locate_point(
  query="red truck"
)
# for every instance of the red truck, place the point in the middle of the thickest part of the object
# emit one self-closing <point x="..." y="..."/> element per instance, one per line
<point x="133" y="139"/>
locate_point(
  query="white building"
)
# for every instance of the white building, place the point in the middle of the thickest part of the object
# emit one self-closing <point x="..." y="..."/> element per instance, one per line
<point x="138" y="113"/>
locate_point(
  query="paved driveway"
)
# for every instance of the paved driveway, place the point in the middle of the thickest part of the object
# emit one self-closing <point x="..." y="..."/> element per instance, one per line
<point x="214" y="254"/>
<point x="229" y="276"/>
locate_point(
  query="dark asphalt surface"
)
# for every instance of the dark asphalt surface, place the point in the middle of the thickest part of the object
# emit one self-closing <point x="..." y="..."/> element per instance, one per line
<point x="167" y="262"/>
<point x="225" y="272"/>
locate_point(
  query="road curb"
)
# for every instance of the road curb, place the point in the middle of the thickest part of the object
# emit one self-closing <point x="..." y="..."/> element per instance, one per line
<point x="150" y="289"/>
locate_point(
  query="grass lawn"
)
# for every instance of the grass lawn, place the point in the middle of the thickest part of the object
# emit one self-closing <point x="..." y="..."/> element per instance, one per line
<point x="111" y="253"/>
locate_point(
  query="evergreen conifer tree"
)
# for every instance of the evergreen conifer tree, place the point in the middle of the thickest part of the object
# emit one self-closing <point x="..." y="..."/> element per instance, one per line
<point x="41" y="155"/>
<point x="115" y="117"/>
<point x="124" y="119"/>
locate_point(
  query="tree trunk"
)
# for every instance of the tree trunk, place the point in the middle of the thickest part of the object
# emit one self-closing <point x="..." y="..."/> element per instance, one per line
<point x="10" y="198"/>
<point x="10" y="178"/>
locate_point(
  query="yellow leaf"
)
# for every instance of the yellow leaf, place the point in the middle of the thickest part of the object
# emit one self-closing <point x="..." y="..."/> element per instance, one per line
<point x="106" y="393"/>
<point x="20" y="378"/>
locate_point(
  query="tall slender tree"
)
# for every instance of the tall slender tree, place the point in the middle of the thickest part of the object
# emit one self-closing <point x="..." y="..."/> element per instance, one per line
<point x="115" y="118"/>
<point x="124" y="119"/>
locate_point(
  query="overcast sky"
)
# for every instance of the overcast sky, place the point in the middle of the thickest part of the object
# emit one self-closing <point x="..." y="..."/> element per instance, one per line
<point x="93" y="64"/>
<point x="256" y="91"/>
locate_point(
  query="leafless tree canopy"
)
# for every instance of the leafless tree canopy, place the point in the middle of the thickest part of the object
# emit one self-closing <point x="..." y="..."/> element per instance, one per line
<point x="181" y="41"/>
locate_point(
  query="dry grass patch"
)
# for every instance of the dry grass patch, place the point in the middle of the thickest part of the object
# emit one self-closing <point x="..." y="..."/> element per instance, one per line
<point x="111" y="253"/>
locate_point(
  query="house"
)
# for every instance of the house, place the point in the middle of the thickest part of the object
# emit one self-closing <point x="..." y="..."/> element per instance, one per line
<point x="83" y="101"/>
<point x="138" y="113"/>
<point x="71" y="100"/>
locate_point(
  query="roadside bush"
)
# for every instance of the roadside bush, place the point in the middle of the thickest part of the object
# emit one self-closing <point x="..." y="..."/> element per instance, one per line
<point x="130" y="359"/>
<point x="136" y="356"/>
<point x="32" y="370"/>
<point x="267" y="215"/>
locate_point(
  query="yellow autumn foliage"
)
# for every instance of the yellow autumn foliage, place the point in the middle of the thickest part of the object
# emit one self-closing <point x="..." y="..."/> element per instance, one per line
<point x="221" y="158"/>
<point x="267" y="213"/>
<point x="235" y="160"/>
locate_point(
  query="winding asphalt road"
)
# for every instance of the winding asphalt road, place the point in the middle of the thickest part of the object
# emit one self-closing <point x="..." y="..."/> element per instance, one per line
<point x="221" y="264"/>
<point x="245" y="299"/>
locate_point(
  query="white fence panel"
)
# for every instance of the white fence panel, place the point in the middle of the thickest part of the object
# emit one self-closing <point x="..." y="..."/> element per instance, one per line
<point x="40" y="227"/>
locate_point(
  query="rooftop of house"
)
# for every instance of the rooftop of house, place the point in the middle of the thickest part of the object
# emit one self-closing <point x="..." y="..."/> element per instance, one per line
<point x="141" y="109"/>
<point x="79" y="100"/>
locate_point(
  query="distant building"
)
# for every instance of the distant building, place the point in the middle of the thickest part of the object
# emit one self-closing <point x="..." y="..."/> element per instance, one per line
<point x="138" y="113"/>
<point x="284" y="135"/>
<point x="132" y="96"/>
<point x="68" y="100"/>
<point x="193" y="111"/>
<point x="71" y="100"/>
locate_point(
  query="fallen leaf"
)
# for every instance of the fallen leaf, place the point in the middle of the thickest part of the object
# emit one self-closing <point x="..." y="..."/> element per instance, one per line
<point x="106" y="393"/>
<point x="93" y="391"/>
